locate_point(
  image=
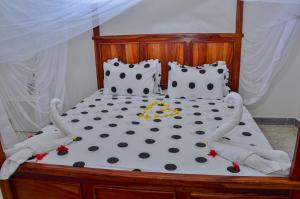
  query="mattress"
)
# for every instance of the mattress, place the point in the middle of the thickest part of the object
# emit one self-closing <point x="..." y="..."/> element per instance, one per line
<point x="113" y="135"/>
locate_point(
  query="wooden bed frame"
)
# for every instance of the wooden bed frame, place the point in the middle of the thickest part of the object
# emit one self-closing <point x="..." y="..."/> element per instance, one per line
<point x="42" y="181"/>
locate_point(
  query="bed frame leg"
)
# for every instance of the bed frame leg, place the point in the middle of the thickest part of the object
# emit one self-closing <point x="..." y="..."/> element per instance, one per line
<point x="295" y="168"/>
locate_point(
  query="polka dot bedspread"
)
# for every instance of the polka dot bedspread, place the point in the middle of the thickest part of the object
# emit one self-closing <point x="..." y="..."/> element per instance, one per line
<point x="111" y="135"/>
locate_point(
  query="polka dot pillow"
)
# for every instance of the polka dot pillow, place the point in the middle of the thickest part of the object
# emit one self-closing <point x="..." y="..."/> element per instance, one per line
<point x="219" y="66"/>
<point x="153" y="63"/>
<point x="128" y="79"/>
<point x="191" y="82"/>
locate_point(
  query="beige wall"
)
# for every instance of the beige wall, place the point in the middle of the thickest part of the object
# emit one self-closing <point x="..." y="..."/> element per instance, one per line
<point x="156" y="16"/>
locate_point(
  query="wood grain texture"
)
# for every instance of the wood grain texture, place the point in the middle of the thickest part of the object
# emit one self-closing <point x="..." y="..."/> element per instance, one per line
<point x="191" y="49"/>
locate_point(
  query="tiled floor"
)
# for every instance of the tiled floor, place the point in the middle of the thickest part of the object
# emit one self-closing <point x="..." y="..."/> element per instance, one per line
<point x="281" y="137"/>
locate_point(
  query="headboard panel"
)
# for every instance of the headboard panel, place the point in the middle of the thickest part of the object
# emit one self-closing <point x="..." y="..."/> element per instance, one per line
<point x="190" y="49"/>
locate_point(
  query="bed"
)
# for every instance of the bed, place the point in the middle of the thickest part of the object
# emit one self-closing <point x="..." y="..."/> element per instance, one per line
<point x="77" y="174"/>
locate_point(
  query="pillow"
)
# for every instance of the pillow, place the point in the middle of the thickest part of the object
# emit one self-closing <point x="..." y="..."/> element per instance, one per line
<point x="219" y="66"/>
<point x="128" y="79"/>
<point x="191" y="82"/>
<point x="153" y="63"/>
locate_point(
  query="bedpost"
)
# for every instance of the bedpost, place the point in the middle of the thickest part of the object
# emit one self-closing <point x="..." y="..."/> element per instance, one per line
<point x="239" y="16"/>
<point x="4" y="184"/>
<point x="295" y="168"/>
<point x="96" y="33"/>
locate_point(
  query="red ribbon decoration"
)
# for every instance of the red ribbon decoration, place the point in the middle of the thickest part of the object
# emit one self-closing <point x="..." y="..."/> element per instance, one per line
<point x="40" y="156"/>
<point x="213" y="153"/>
<point x="236" y="166"/>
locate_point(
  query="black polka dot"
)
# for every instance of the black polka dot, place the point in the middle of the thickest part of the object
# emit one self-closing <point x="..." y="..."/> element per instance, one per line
<point x="200" y="159"/>
<point x="195" y="106"/>
<point x="252" y="144"/>
<point x="84" y="112"/>
<point x="157" y="120"/>
<point x="177" y="126"/>
<point x="135" y="123"/>
<point x="122" y="75"/>
<point x="242" y="123"/>
<point x="177" y="102"/>
<point x="226" y="138"/>
<point x="146" y="91"/>
<point x="246" y="134"/>
<point x="104" y="111"/>
<point x="178" y="109"/>
<point x="113" y="89"/>
<point x="112" y="125"/>
<point x="77" y="139"/>
<point x="176" y="137"/>
<point x="110" y="104"/>
<point x="202" y="71"/>
<point x="104" y="135"/>
<point x="138" y="170"/>
<point x="75" y="120"/>
<point x="107" y="73"/>
<point x="144" y="155"/>
<point x="198" y="122"/>
<point x="88" y="128"/>
<point x="144" y="100"/>
<point x="143" y="107"/>
<point x="146" y="65"/>
<point x="178" y="117"/>
<point x="124" y="109"/>
<point x="154" y="129"/>
<point x="62" y="152"/>
<point x="220" y="70"/>
<point x="64" y="114"/>
<point x="131" y="66"/>
<point x="97" y="99"/>
<point x="200" y="132"/>
<point x="112" y="160"/>
<point x="159" y="112"/>
<point x="150" y="141"/>
<point x="174" y="84"/>
<point x="128" y="102"/>
<point x="173" y="150"/>
<point x="119" y="116"/>
<point x="122" y="144"/>
<point x="129" y="91"/>
<point x="192" y="85"/>
<point x="138" y="76"/>
<point x="232" y="169"/>
<point x="218" y="118"/>
<point x="200" y="144"/>
<point x="170" y="167"/>
<point x="197" y="113"/>
<point x="79" y="164"/>
<point x="184" y="70"/>
<point x="130" y="132"/>
<point x="214" y="110"/>
<point x="210" y="86"/>
<point x="211" y="103"/>
<point x="116" y="64"/>
<point x="93" y="148"/>
<point x="39" y="132"/>
<point x="97" y="118"/>
<point x="169" y="67"/>
<point x="231" y="107"/>
<point x="91" y="105"/>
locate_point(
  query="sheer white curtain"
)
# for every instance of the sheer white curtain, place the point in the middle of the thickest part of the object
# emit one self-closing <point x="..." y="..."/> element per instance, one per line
<point x="268" y="26"/>
<point x="33" y="41"/>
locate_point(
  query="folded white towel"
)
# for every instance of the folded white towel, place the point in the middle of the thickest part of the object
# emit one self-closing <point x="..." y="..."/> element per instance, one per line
<point x="55" y="106"/>
<point x="42" y="143"/>
<point x="11" y="164"/>
<point x="264" y="160"/>
<point x="232" y="99"/>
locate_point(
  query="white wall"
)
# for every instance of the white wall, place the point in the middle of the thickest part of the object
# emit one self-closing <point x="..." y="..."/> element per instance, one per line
<point x="156" y="16"/>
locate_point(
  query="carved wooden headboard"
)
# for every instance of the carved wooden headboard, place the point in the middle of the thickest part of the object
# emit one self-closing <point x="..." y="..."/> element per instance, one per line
<point x="186" y="48"/>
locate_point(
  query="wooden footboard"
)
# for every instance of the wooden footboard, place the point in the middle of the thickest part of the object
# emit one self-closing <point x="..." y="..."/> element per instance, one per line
<point x="36" y="181"/>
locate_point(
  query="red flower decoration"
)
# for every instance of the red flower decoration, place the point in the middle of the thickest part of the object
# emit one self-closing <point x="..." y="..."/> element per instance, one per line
<point x="40" y="156"/>
<point x="213" y="153"/>
<point x="62" y="149"/>
<point x="236" y="166"/>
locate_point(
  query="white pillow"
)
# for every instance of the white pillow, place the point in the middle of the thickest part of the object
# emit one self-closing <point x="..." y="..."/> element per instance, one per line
<point x="125" y="79"/>
<point x="191" y="82"/>
<point x="153" y="63"/>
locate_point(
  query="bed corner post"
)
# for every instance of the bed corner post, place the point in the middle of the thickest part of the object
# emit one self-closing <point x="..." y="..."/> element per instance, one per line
<point x="295" y="168"/>
<point x="4" y="184"/>
<point x="96" y="33"/>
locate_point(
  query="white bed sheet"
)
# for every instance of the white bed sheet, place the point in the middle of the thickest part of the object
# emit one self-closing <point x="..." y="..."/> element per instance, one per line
<point x="114" y="137"/>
